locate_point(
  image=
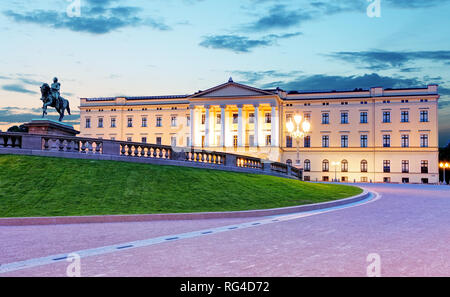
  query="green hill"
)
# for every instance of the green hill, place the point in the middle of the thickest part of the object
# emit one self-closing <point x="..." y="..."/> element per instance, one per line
<point x="40" y="186"/>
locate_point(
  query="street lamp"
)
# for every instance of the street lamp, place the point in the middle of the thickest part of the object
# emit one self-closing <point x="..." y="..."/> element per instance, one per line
<point x="335" y="164"/>
<point x="297" y="130"/>
<point x="444" y="166"/>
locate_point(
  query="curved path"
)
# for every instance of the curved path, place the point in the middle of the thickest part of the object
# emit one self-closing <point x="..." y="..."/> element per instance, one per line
<point x="409" y="227"/>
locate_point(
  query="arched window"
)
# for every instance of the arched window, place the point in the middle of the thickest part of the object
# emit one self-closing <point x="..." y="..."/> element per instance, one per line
<point x="307" y="166"/>
<point x="289" y="162"/>
<point x="344" y="166"/>
<point x="364" y="166"/>
<point x="325" y="166"/>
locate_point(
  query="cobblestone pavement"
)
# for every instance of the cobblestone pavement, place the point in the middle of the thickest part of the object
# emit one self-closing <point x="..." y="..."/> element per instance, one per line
<point x="409" y="228"/>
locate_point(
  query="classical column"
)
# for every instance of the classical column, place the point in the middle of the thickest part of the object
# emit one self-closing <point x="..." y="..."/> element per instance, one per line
<point x="192" y="121"/>
<point x="207" y="128"/>
<point x="274" y="132"/>
<point x="240" y="126"/>
<point x="256" y="125"/>
<point x="222" y="125"/>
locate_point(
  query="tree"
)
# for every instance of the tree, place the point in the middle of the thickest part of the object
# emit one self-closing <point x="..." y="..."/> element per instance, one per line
<point x="20" y="128"/>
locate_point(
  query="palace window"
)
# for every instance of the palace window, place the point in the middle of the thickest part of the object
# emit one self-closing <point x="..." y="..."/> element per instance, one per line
<point x="188" y="120"/>
<point x="144" y="139"/>
<point x="307" y="141"/>
<point x="235" y="140"/>
<point x="288" y="141"/>
<point x="173" y="141"/>
<point x="386" y="140"/>
<point x="364" y="166"/>
<point x="308" y="117"/>
<point x="173" y="121"/>
<point x="268" y="117"/>
<point x="344" y="166"/>
<point x="100" y="122"/>
<point x="218" y="119"/>
<point x="158" y="121"/>
<point x="405" y="166"/>
<point x="424" y="140"/>
<point x="364" y="141"/>
<point x="307" y="166"/>
<point x="158" y="140"/>
<point x="424" y="116"/>
<point x="130" y="122"/>
<point x="405" y="116"/>
<point x="344" y="117"/>
<point x="387" y="166"/>
<point x="325" y="141"/>
<point x="251" y="118"/>
<point x="424" y="166"/>
<point x="268" y="140"/>
<point x="405" y="140"/>
<point x="144" y="122"/>
<point x="235" y="118"/>
<point x="203" y="118"/>
<point x="386" y="116"/>
<point x="363" y="117"/>
<point x="88" y="123"/>
<point x="325" y="166"/>
<point x="129" y="139"/>
<point x="325" y="118"/>
<point x="113" y="122"/>
<point x="344" y="140"/>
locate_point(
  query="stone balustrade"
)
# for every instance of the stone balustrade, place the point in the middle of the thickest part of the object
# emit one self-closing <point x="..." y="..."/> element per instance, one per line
<point x="13" y="140"/>
<point x="77" y="147"/>
<point x="143" y="150"/>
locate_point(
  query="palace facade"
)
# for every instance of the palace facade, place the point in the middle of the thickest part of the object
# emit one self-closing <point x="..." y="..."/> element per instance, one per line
<point x="373" y="135"/>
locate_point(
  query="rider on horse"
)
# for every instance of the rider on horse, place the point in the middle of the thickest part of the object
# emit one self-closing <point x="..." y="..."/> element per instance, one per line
<point x="55" y="92"/>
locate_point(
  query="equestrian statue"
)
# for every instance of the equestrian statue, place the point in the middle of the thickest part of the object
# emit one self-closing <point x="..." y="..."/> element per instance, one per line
<point x="51" y="97"/>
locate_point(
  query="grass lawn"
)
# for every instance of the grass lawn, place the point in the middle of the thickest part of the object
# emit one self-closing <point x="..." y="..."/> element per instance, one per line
<point x="40" y="186"/>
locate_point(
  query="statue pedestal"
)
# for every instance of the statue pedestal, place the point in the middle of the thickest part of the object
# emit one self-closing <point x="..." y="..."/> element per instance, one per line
<point x="50" y="127"/>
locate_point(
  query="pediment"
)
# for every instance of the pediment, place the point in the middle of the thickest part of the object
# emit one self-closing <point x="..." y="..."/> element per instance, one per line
<point x="231" y="89"/>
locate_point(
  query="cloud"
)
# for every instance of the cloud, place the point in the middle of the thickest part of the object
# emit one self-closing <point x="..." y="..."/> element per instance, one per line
<point x="416" y="3"/>
<point x="17" y="89"/>
<point x="253" y="77"/>
<point x="336" y="82"/>
<point x="383" y="60"/>
<point x="279" y="18"/>
<point x="22" y="115"/>
<point x="242" y="44"/>
<point x="96" y="18"/>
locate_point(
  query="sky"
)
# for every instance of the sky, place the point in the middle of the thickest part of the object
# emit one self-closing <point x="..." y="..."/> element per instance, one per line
<point x="102" y="48"/>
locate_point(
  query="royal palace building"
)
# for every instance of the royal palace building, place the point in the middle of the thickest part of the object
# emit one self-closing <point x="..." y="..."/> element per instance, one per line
<point x="364" y="135"/>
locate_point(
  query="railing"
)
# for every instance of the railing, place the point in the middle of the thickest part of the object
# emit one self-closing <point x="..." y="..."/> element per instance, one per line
<point x="249" y="162"/>
<point x="192" y="155"/>
<point x="72" y="144"/>
<point x="143" y="150"/>
<point x="10" y="140"/>
<point x="279" y="167"/>
<point x="111" y="149"/>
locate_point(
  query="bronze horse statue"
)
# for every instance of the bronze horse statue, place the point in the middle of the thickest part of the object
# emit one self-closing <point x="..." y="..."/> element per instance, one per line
<point x="60" y="104"/>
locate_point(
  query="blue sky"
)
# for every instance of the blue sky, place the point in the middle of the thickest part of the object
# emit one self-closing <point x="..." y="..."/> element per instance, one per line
<point x="154" y="47"/>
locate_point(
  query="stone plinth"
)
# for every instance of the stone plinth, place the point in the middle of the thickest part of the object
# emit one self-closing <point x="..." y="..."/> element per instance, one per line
<point x="50" y="127"/>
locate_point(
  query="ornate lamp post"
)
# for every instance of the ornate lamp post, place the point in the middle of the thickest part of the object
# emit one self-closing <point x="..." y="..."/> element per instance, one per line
<point x="335" y="164"/>
<point x="297" y="130"/>
<point x="444" y="166"/>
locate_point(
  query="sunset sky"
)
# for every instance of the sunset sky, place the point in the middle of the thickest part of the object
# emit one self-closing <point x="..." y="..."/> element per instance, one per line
<point x="171" y="47"/>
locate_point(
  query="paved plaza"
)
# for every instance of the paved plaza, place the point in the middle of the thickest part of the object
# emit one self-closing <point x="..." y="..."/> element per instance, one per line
<point x="408" y="226"/>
